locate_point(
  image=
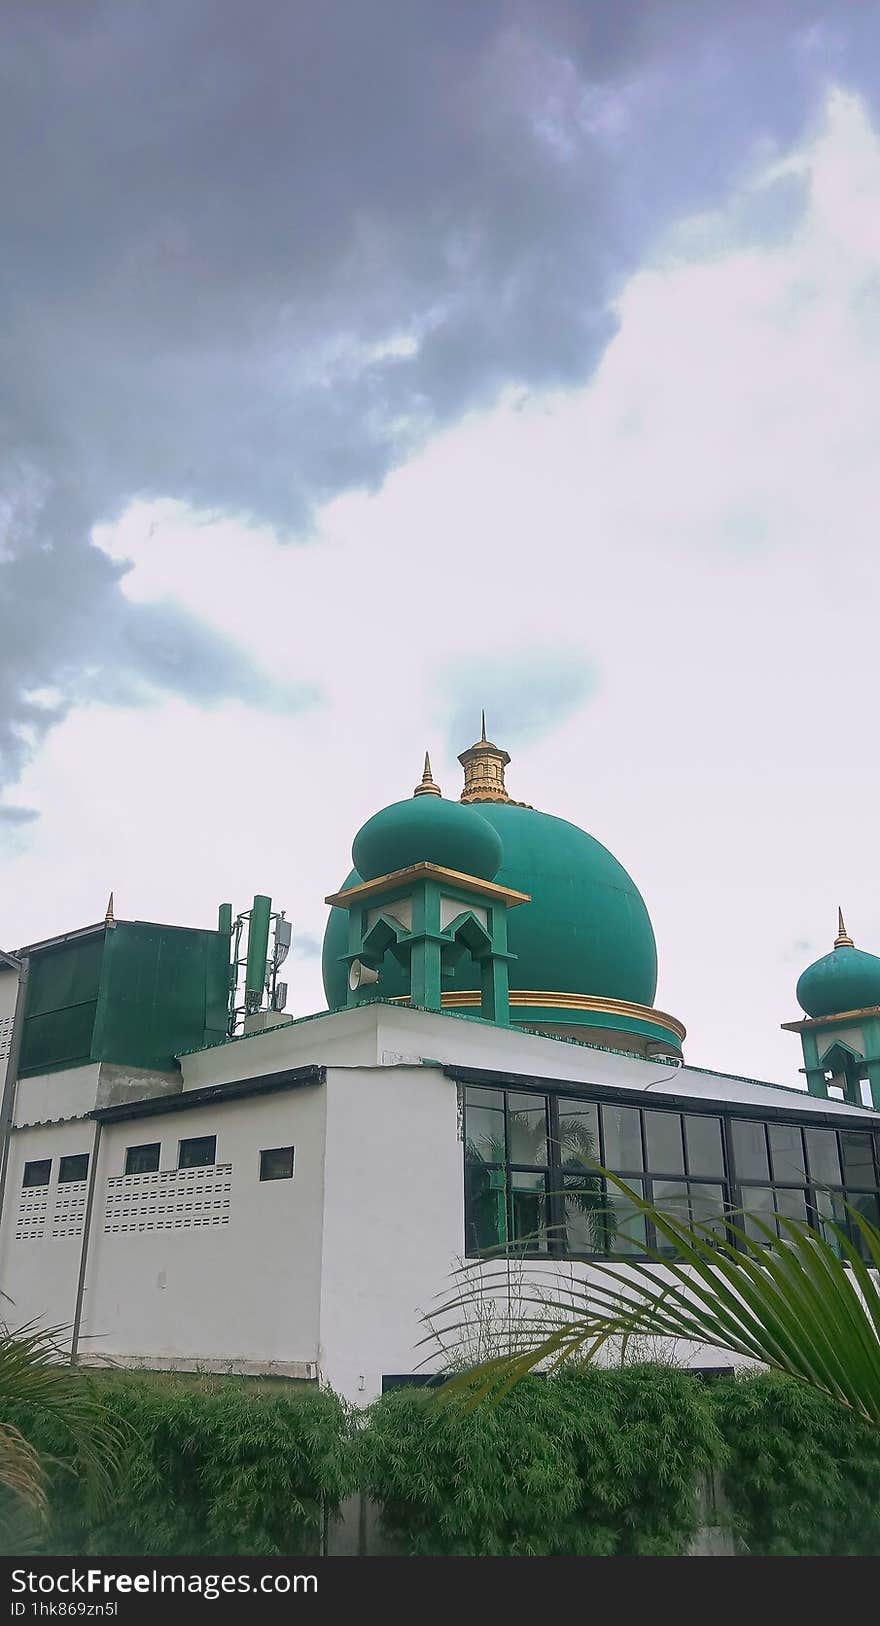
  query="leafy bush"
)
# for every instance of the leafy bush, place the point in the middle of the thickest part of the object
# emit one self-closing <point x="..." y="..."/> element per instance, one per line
<point x="214" y="1466"/>
<point x="803" y="1475"/>
<point x="602" y="1463"/>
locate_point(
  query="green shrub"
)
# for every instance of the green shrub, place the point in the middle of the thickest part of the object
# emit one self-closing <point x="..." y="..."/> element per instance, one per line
<point x="603" y="1463"/>
<point x="220" y="1466"/>
<point x="803" y="1476"/>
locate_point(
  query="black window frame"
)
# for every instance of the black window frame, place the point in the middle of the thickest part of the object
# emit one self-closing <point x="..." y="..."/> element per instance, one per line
<point x="65" y="1178"/>
<point x="197" y="1140"/>
<point x="274" y="1151"/>
<point x="144" y="1146"/>
<point x="735" y="1188"/>
<point x="36" y="1163"/>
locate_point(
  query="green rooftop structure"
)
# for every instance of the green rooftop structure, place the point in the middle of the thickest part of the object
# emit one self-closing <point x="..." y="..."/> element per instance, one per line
<point x="125" y="991"/>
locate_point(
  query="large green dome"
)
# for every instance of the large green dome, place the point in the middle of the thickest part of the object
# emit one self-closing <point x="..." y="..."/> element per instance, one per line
<point x="847" y="979"/>
<point x="586" y="930"/>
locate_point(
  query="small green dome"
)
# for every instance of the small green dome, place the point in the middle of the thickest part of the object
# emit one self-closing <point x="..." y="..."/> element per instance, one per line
<point x="847" y="979"/>
<point x="427" y="830"/>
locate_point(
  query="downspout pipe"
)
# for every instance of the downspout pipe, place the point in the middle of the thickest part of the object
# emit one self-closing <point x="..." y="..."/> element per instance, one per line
<point x="7" y="1101"/>
<point x="84" y="1252"/>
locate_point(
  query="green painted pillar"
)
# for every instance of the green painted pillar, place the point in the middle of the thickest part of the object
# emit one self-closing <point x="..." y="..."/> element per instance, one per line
<point x="495" y="990"/>
<point x="424" y="960"/>
<point x="816" y="1081"/>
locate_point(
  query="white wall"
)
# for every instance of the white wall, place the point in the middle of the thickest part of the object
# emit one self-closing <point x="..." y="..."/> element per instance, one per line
<point x="237" y="1292"/>
<point x="393" y="1218"/>
<point x="39" y="1273"/>
<point x="52" y="1097"/>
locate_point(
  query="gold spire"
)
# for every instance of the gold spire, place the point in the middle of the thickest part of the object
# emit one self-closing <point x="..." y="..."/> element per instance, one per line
<point x="427" y="786"/>
<point x="484" y="765"/>
<point x="110" y="918"/>
<point x="842" y="940"/>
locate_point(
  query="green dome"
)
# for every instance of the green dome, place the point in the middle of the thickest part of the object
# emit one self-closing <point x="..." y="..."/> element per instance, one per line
<point x="426" y="829"/>
<point x="586" y="930"/>
<point x="847" y="979"/>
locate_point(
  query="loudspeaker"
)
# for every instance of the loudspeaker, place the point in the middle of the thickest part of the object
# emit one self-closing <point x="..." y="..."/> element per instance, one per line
<point x="360" y="975"/>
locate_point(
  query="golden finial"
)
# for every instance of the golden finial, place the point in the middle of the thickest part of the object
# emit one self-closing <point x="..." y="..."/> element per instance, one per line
<point x="842" y="940"/>
<point x="484" y="765"/>
<point x="427" y="786"/>
<point x="110" y="918"/>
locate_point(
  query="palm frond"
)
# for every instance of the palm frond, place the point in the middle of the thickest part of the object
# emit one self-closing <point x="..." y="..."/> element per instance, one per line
<point x="803" y="1302"/>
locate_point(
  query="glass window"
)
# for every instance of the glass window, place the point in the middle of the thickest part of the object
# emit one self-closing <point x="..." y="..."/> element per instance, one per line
<point x="277" y="1163"/>
<point x="527" y="1129"/>
<point x="705" y="1150"/>
<point x="791" y="1204"/>
<point x="197" y="1153"/>
<point x="73" y="1168"/>
<point x="757" y="1202"/>
<point x="858" y="1158"/>
<point x="37" y="1174"/>
<point x="484" y="1121"/>
<point x="623" y="1137"/>
<point x="143" y="1159"/>
<point x="749" y="1150"/>
<point x="663" y="1142"/>
<point x="485" y="1197"/>
<point x="578" y="1133"/>
<point x="585" y="1214"/>
<point x="868" y="1205"/>
<point x="624" y="1223"/>
<point x="707" y="1209"/>
<point x="822" y="1156"/>
<point x="829" y="1207"/>
<point x="528" y="1203"/>
<point x="787" y="1153"/>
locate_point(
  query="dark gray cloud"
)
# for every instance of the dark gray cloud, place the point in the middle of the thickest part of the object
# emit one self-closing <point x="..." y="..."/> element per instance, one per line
<point x="253" y="255"/>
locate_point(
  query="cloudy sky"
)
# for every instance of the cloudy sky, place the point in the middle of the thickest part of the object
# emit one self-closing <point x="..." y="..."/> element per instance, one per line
<point x="367" y="363"/>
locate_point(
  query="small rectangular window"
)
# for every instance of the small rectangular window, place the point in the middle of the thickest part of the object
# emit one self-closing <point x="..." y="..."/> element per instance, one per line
<point x="822" y="1154"/>
<point x="277" y="1163"/>
<point x="621" y="1127"/>
<point x="663" y="1140"/>
<point x="787" y="1152"/>
<point x="484" y="1111"/>
<point x="527" y="1129"/>
<point x="858" y="1158"/>
<point x="749" y="1149"/>
<point x="198" y="1152"/>
<point x="143" y="1159"/>
<point x="73" y="1168"/>
<point x="37" y="1174"/>
<point x="578" y="1135"/>
<point x="704" y="1148"/>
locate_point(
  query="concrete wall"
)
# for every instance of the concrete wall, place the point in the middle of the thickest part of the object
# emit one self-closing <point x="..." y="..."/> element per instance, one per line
<point x="393" y="1219"/>
<point x="42" y="1233"/>
<point x="234" y="1279"/>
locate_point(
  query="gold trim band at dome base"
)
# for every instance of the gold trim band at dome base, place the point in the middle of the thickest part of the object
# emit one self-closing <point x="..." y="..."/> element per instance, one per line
<point x="455" y="999"/>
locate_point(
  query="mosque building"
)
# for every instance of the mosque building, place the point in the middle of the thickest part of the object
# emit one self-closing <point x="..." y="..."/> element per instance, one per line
<point x="192" y="1180"/>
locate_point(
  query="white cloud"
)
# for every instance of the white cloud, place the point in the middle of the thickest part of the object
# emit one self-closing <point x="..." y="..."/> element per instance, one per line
<point x="698" y="525"/>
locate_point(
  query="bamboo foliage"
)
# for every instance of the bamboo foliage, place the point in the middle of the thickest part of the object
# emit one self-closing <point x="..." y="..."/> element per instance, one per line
<point x="42" y="1399"/>
<point x="804" y="1303"/>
